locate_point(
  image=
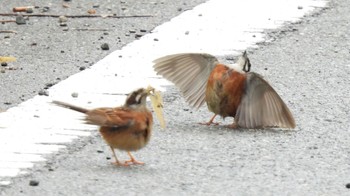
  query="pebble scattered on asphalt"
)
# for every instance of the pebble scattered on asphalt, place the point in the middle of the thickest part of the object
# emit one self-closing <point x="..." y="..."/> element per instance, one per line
<point x="75" y="94"/>
<point x="105" y="46"/>
<point x="62" y="19"/>
<point x="20" y="20"/>
<point x="33" y="183"/>
<point x="138" y="35"/>
<point x="347" y="185"/>
<point x="43" y="93"/>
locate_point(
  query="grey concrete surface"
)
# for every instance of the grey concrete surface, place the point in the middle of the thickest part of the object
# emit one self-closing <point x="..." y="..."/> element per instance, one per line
<point x="308" y="64"/>
<point x="48" y="53"/>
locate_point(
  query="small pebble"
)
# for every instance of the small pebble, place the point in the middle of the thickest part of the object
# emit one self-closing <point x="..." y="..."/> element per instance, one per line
<point x="46" y="9"/>
<point x="62" y="19"/>
<point x="63" y="24"/>
<point x="143" y="30"/>
<point x="105" y="46"/>
<point x="108" y="158"/>
<point x="347" y="185"/>
<point x="99" y="151"/>
<point x="132" y="31"/>
<point x="82" y="68"/>
<point x="20" y="20"/>
<point x="179" y="9"/>
<point x="43" y="93"/>
<point x="156" y="39"/>
<point x="75" y="94"/>
<point x="6" y="36"/>
<point x="138" y="35"/>
<point x="48" y="85"/>
<point x="300" y="7"/>
<point x="91" y="11"/>
<point x="33" y="183"/>
<point x="3" y="64"/>
<point x="29" y="10"/>
<point x="65" y="5"/>
<point x="96" y="6"/>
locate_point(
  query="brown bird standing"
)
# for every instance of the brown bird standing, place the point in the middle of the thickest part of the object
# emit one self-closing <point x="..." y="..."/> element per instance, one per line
<point x="126" y="128"/>
<point x="229" y="90"/>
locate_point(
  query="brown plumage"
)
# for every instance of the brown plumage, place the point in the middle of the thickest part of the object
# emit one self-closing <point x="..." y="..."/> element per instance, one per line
<point x="126" y="128"/>
<point x="228" y="90"/>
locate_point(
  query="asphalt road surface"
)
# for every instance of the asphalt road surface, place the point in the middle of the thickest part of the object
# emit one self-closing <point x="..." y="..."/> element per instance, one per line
<point x="308" y="64"/>
<point x="48" y="53"/>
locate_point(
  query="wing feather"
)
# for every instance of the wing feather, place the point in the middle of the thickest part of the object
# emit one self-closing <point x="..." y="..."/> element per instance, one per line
<point x="261" y="106"/>
<point x="189" y="72"/>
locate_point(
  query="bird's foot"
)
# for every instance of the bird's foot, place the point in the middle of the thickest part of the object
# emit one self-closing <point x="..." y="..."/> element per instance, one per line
<point x="208" y="123"/>
<point x="232" y="126"/>
<point x="118" y="163"/>
<point x="135" y="162"/>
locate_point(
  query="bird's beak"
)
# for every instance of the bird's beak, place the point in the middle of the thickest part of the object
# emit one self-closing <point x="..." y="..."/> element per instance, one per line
<point x="247" y="64"/>
<point x="157" y="104"/>
<point x="150" y="90"/>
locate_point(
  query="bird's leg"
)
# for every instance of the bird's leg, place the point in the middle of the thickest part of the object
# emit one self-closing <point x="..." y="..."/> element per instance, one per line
<point x="133" y="160"/>
<point x="117" y="162"/>
<point x="210" y="121"/>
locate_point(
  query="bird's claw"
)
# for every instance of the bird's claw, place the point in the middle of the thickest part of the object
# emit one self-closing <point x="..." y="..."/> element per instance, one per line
<point x="118" y="163"/>
<point x="135" y="162"/>
<point x="232" y="126"/>
<point x="208" y="123"/>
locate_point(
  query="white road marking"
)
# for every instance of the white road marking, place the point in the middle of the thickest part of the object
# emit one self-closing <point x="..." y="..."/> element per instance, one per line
<point x="219" y="27"/>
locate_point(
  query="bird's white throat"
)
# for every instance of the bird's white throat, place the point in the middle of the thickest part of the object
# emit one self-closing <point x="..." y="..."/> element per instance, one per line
<point x="236" y="67"/>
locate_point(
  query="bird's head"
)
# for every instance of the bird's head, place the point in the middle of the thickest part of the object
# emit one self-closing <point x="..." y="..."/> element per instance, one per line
<point x="243" y="62"/>
<point x="138" y="97"/>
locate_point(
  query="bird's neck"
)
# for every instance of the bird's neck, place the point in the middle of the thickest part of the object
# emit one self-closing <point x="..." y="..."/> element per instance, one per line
<point x="236" y="67"/>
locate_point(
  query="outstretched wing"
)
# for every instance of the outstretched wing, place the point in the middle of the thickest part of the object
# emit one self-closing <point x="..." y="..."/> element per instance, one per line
<point x="261" y="106"/>
<point x="189" y="72"/>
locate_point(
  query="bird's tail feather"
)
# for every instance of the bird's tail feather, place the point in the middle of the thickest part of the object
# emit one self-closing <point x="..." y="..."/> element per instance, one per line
<point x="70" y="106"/>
